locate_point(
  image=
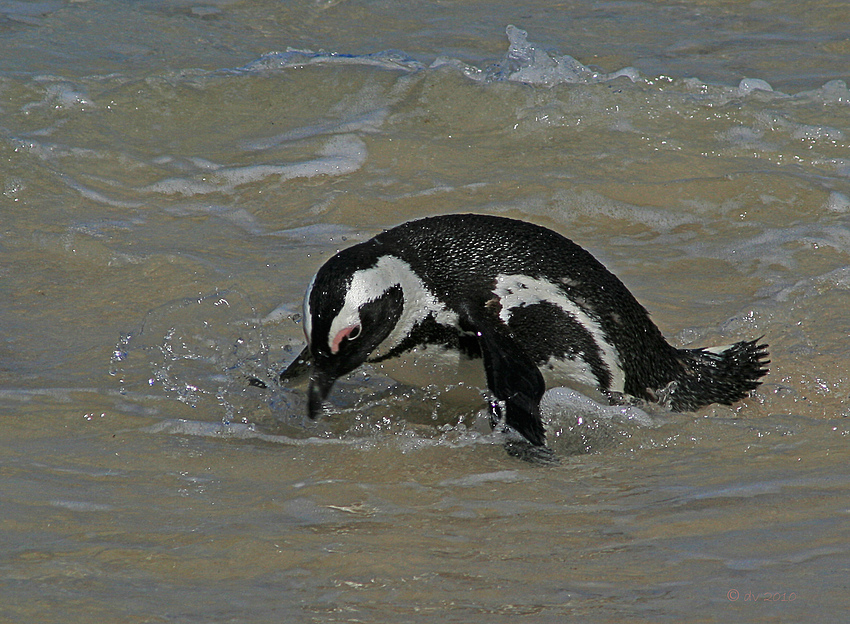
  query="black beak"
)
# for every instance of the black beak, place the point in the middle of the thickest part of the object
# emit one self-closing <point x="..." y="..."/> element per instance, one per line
<point x="320" y="386"/>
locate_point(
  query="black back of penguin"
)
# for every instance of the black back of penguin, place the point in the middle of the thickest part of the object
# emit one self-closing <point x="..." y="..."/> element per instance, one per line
<point x="460" y="257"/>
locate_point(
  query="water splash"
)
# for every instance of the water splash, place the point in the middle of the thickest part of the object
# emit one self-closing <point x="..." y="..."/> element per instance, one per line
<point x="200" y="351"/>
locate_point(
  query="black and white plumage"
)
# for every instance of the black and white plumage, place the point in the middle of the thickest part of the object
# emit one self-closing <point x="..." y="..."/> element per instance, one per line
<point x="531" y="306"/>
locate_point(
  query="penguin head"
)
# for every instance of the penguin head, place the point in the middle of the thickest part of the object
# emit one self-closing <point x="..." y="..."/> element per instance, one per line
<point x="351" y="308"/>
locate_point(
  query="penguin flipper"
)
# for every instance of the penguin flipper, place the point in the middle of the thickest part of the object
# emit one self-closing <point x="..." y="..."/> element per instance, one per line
<point x="512" y="377"/>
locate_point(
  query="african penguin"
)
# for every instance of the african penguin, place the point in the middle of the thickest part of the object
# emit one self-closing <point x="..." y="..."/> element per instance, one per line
<point x="525" y="304"/>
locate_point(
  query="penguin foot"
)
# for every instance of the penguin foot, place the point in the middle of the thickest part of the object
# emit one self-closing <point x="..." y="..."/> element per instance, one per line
<point x="532" y="453"/>
<point x="517" y="445"/>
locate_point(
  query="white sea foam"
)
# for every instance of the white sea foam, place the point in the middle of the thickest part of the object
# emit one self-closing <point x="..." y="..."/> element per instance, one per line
<point x="832" y="92"/>
<point x="769" y="248"/>
<point x="748" y="85"/>
<point x="574" y="205"/>
<point x="836" y="279"/>
<point x="838" y="202"/>
<point x="558" y="401"/>
<point x="367" y="122"/>
<point x="238" y="431"/>
<point x="526" y="62"/>
<point x="80" y="505"/>
<point x="406" y="440"/>
<point x="97" y="196"/>
<point x="340" y="155"/>
<point x="239" y="217"/>
<point x="481" y="478"/>
<point x="59" y="94"/>
<point x="295" y="58"/>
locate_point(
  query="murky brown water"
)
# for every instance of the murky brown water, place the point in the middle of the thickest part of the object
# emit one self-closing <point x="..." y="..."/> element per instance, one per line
<point x="168" y="191"/>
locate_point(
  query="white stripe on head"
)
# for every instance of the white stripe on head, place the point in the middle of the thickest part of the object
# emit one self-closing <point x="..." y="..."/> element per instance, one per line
<point x="370" y="284"/>
<point x="521" y="290"/>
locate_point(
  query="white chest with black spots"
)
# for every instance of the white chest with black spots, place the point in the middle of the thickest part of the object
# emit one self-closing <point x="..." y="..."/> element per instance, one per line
<point x="522" y="291"/>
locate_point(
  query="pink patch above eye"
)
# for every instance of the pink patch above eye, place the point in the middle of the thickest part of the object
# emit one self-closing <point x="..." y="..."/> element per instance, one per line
<point x="342" y="335"/>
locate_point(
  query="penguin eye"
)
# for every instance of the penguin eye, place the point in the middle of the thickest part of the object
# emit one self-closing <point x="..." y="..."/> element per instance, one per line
<point x="354" y="333"/>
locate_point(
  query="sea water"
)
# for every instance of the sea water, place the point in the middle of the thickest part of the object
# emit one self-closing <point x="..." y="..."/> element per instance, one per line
<point x="172" y="173"/>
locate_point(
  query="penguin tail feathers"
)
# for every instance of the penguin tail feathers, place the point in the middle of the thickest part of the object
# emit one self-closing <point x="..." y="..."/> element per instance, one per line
<point x="717" y="375"/>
